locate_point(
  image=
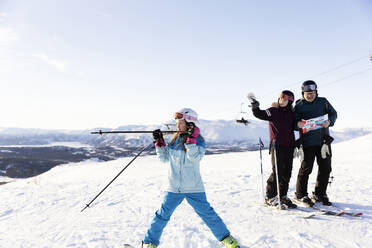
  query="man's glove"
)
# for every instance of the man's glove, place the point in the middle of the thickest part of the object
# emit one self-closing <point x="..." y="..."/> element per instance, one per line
<point x="158" y="138"/>
<point x="325" y="151"/>
<point x="299" y="153"/>
<point x="193" y="132"/>
<point x="326" y="147"/>
<point x="295" y="152"/>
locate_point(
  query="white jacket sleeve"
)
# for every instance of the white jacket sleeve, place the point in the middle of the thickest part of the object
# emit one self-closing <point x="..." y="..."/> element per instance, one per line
<point x="194" y="153"/>
<point x="163" y="153"/>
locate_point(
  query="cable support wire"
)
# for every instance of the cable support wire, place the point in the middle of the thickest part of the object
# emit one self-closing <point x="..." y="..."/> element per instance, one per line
<point x="324" y="73"/>
<point x="317" y="75"/>
<point x="347" y="77"/>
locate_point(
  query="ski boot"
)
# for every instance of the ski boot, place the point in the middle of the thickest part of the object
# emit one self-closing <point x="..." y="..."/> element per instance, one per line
<point x="304" y="200"/>
<point x="323" y="199"/>
<point x="273" y="202"/>
<point x="230" y="242"/>
<point x="145" y="245"/>
<point x="286" y="201"/>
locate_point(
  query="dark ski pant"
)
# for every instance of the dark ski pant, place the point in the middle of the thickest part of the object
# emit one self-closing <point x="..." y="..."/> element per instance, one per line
<point x="201" y="206"/>
<point x="310" y="153"/>
<point x="284" y="161"/>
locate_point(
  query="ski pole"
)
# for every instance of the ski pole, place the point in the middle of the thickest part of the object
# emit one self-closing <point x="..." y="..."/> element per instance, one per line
<point x="102" y="132"/>
<point x="330" y="183"/>
<point x="261" y="145"/>
<point x="139" y="153"/>
<point x="277" y="176"/>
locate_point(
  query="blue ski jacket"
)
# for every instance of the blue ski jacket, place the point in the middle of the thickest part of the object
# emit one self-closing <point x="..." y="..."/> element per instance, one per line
<point x="184" y="170"/>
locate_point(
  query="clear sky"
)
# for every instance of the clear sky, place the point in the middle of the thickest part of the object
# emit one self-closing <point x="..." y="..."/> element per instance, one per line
<point x="82" y="64"/>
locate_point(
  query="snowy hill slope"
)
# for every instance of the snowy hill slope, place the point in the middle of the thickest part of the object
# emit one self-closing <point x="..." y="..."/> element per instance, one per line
<point x="44" y="211"/>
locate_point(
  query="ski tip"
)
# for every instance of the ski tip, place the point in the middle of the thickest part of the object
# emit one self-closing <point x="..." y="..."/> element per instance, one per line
<point x="309" y="216"/>
<point x="356" y="214"/>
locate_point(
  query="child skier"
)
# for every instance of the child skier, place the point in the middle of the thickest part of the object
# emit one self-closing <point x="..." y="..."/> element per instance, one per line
<point x="184" y="153"/>
<point x="281" y="117"/>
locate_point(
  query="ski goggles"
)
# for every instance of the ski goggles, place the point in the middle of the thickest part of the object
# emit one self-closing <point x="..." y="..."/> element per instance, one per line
<point x="310" y="87"/>
<point x="286" y="97"/>
<point x="180" y="116"/>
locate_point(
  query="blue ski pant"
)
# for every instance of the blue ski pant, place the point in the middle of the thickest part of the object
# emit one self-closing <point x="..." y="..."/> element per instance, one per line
<point x="201" y="206"/>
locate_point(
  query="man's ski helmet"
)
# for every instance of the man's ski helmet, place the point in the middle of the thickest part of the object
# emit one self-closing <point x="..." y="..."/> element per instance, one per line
<point x="289" y="95"/>
<point x="186" y="114"/>
<point x="309" y="85"/>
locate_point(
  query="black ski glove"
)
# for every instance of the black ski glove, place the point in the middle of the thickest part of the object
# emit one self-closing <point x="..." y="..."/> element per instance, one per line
<point x="157" y="134"/>
<point x="255" y="104"/>
<point x="252" y="100"/>
<point x="158" y="137"/>
<point x="190" y="127"/>
<point x="193" y="132"/>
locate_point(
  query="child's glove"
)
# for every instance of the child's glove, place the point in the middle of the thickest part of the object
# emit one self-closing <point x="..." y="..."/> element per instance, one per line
<point x="193" y="133"/>
<point x="158" y="138"/>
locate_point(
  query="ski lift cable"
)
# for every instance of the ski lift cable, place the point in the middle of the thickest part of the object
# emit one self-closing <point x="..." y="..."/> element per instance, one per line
<point x="323" y="85"/>
<point x="316" y="75"/>
<point x="347" y="77"/>
<point x="341" y="79"/>
<point x="323" y="73"/>
<point x="340" y="66"/>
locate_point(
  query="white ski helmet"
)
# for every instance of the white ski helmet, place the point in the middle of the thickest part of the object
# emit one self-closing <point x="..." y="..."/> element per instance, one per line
<point x="187" y="114"/>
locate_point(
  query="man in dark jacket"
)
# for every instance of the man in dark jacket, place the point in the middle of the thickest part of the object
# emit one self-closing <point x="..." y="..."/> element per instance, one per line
<point x="314" y="144"/>
<point x="281" y="119"/>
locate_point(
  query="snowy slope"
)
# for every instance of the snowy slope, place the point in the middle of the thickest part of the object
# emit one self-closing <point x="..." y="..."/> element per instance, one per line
<point x="44" y="211"/>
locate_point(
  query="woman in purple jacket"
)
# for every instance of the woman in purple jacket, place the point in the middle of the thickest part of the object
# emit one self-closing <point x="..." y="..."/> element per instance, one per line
<point x="281" y="119"/>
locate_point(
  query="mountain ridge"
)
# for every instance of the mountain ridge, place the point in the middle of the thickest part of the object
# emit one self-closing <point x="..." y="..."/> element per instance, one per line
<point x="30" y="152"/>
<point x="215" y="132"/>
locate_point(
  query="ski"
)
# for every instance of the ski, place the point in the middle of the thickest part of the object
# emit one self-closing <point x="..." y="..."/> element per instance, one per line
<point x="354" y="214"/>
<point x="304" y="204"/>
<point x="328" y="212"/>
<point x="336" y="212"/>
<point x="339" y="212"/>
<point x="311" y="212"/>
<point x="295" y="211"/>
<point x="320" y="210"/>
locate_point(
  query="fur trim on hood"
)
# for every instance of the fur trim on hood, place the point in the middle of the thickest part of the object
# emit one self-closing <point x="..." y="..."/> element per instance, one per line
<point x="275" y="105"/>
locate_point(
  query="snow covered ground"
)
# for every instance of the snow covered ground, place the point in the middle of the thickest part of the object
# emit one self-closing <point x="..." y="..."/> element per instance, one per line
<point x="44" y="211"/>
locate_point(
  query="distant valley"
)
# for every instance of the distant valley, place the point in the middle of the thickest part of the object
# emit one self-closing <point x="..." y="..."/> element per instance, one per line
<point x="30" y="152"/>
